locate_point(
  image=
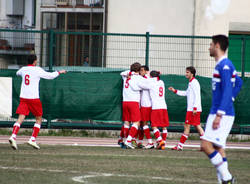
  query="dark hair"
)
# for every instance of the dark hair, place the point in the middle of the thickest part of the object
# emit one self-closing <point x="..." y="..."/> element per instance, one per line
<point x="155" y="74"/>
<point x="135" y="67"/>
<point x="145" y="67"/>
<point x="222" y="40"/>
<point x="191" y="69"/>
<point x="31" y="59"/>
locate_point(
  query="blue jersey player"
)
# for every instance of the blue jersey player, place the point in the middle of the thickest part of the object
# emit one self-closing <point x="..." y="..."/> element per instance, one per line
<point x="226" y="84"/>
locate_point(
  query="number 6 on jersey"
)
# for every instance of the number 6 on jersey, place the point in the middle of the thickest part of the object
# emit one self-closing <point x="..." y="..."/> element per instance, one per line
<point x="27" y="79"/>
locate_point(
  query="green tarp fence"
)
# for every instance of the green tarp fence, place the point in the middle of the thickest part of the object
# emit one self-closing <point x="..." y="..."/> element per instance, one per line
<point x="98" y="96"/>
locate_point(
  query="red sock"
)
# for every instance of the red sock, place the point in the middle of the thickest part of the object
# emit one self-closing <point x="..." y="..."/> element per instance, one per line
<point x="122" y="132"/>
<point x="141" y="133"/>
<point x="15" y="130"/>
<point x="183" y="138"/>
<point x="147" y="132"/>
<point x="126" y="130"/>
<point x="132" y="132"/>
<point x="136" y="135"/>
<point x="35" y="132"/>
<point x="157" y="135"/>
<point x="164" y="134"/>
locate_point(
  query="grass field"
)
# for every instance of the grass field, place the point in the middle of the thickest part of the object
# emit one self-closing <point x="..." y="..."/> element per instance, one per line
<point x="106" y="165"/>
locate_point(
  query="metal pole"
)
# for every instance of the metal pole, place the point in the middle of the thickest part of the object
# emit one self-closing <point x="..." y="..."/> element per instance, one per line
<point x="51" y="49"/>
<point x="147" y="49"/>
<point x="243" y="57"/>
<point x="193" y="34"/>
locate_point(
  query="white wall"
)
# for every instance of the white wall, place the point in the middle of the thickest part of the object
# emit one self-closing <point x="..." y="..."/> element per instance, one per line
<point x="215" y="16"/>
<point x="218" y="17"/>
<point x="157" y="17"/>
<point x="176" y="18"/>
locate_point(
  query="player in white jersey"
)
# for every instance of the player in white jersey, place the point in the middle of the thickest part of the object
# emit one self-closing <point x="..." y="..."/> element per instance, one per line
<point x="146" y="108"/>
<point x="193" y="106"/>
<point x="159" y="114"/>
<point x="29" y="98"/>
<point x="130" y="106"/>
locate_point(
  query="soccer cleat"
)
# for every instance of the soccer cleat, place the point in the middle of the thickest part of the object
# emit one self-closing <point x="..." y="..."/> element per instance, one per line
<point x="177" y="147"/>
<point x="134" y="143"/>
<point x="140" y="145"/>
<point x="232" y="181"/>
<point x="160" y="144"/>
<point x="12" y="142"/>
<point x="122" y="144"/>
<point x="33" y="144"/>
<point x="149" y="146"/>
<point x="129" y="145"/>
<point x="119" y="141"/>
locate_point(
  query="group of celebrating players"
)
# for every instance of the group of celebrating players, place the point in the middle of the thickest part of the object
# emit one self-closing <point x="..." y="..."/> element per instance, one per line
<point x="144" y="101"/>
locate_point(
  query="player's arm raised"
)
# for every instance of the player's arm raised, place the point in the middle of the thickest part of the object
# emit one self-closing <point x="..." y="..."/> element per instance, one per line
<point x="141" y="84"/>
<point x="50" y="75"/>
<point x="178" y="92"/>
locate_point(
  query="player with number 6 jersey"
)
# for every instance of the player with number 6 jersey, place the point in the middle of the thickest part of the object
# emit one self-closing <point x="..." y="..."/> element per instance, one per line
<point x="29" y="98"/>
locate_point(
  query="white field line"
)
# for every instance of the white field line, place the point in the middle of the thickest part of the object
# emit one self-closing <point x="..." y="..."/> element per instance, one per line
<point x="84" y="178"/>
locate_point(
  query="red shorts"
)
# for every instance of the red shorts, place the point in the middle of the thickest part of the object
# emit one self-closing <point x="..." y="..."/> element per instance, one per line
<point x="145" y="113"/>
<point x="159" y="118"/>
<point x="192" y="119"/>
<point x="30" y="105"/>
<point x="131" y="111"/>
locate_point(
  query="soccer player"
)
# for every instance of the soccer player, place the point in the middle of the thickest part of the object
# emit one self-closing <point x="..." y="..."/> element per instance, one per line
<point x="29" y="98"/>
<point x="131" y="106"/>
<point x="159" y="114"/>
<point x="146" y="108"/>
<point x="225" y="87"/>
<point x="193" y="106"/>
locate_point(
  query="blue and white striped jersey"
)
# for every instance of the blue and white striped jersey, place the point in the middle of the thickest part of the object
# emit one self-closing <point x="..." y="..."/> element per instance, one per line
<point x="225" y="86"/>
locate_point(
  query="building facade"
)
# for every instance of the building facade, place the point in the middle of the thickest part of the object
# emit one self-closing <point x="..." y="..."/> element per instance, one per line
<point x="162" y="17"/>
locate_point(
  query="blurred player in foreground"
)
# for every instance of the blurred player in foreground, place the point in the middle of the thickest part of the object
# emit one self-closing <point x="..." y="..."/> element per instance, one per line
<point x="29" y="98"/>
<point x="193" y="106"/>
<point x="225" y="87"/>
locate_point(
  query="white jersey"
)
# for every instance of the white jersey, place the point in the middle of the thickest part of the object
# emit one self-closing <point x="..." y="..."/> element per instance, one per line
<point x="130" y="95"/>
<point x="193" y="95"/>
<point x="145" y="96"/>
<point x="156" y="90"/>
<point x="30" y="80"/>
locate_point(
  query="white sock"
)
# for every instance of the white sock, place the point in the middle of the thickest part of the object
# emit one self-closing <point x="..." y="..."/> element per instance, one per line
<point x="217" y="160"/>
<point x="129" y="139"/>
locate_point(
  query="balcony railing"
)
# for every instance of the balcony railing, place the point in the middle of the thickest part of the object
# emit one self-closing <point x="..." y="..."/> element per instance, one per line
<point x="73" y="3"/>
